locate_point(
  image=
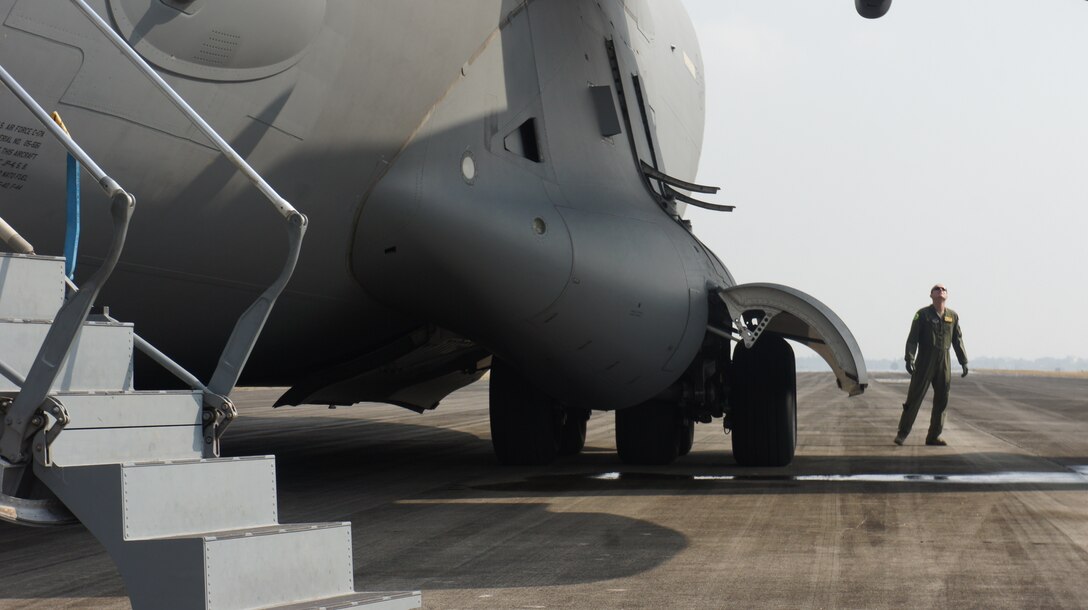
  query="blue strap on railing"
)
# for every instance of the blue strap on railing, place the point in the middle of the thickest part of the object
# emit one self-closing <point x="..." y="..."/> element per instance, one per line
<point x="71" y="232"/>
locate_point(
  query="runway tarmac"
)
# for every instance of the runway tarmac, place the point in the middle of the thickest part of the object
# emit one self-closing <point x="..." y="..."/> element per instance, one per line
<point x="998" y="519"/>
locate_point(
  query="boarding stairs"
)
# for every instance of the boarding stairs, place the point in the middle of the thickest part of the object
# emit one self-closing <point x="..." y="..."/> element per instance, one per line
<point x="141" y="470"/>
<point x="185" y="531"/>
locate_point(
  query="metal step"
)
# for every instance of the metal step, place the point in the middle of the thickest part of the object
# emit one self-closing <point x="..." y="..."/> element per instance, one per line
<point x="117" y="427"/>
<point x="185" y="532"/>
<point x="127" y="463"/>
<point x="373" y="600"/>
<point x="175" y="499"/>
<point x="184" y="498"/>
<point x="285" y="563"/>
<point x="252" y="567"/>
<point x="100" y="359"/>
<point x="198" y="533"/>
<point x="31" y="287"/>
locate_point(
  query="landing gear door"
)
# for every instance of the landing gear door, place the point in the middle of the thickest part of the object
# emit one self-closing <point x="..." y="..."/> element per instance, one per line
<point x="797" y="316"/>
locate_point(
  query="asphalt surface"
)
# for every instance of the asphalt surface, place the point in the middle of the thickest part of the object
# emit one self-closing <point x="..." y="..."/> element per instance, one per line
<point x="998" y="519"/>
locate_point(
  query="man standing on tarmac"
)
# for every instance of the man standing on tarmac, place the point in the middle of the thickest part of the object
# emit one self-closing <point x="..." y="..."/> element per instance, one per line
<point x="934" y="330"/>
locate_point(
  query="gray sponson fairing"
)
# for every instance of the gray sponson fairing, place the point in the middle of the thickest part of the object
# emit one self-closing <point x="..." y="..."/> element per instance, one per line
<point x="608" y="290"/>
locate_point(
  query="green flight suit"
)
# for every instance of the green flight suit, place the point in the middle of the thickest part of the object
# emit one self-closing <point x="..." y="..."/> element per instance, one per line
<point x="931" y="334"/>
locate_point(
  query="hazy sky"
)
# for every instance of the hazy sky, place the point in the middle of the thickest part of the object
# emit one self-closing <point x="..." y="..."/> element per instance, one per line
<point x="946" y="142"/>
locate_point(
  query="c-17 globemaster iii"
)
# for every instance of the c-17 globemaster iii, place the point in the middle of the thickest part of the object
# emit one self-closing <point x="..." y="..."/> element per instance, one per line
<point x="482" y="185"/>
<point x="488" y="185"/>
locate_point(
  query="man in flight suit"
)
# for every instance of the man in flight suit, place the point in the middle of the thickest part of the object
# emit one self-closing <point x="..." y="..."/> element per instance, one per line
<point x="934" y="330"/>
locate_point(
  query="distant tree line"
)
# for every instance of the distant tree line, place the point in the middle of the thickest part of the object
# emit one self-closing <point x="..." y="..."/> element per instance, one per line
<point x="1068" y="363"/>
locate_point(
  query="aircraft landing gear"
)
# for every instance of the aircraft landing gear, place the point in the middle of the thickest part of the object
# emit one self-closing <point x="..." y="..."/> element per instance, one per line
<point x="686" y="437"/>
<point x="763" y="403"/>
<point x="652" y="433"/>
<point x="525" y="424"/>
<point x="572" y="432"/>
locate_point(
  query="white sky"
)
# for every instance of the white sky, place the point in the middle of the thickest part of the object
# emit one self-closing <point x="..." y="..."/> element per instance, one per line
<point x="946" y="142"/>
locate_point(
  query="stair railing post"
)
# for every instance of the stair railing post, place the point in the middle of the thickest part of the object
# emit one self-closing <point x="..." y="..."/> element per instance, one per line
<point x="23" y="418"/>
<point x="249" y="325"/>
<point x="21" y="421"/>
<point x="282" y="206"/>
<point x="242" y="340"/>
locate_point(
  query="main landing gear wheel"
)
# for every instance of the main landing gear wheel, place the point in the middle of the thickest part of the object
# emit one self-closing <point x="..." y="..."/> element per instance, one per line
<point x="652" y="433"/>
<point x="687" y="437"/>
<point x="764" y="403"/>
<point x="525" y="424"/>
<point x="572" y="432"/>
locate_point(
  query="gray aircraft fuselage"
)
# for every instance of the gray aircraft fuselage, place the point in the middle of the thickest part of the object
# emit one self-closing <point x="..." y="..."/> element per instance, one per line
<point x="467" y="195"/>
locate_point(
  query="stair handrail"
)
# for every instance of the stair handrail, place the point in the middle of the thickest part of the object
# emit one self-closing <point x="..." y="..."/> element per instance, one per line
<point x="109" y="185"/>
<point x="20" y="422"/>
<point x="12" y="375"/>
<point x="249" y="325"/>
<point x="282" y="206"/>
<point x="144" y="346"/>
<point x="20" y="418"/>
<point x="17" y="424"/>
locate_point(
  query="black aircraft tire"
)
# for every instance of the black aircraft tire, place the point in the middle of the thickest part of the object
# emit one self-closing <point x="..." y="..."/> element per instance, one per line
<point x="572" y="433"/>
<point x="647" y="434"/>
<point x="764" y="403"/>
<point x="524" y="423"/>
<point x="686" y="437"/>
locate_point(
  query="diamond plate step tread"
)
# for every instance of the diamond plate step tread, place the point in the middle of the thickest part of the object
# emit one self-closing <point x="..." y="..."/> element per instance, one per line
<point x="370" y="600"/>
<point x="31" y="287"/>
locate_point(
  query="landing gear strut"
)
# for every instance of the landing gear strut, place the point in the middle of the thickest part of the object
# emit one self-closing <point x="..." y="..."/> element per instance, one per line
<point x="524" y="422"/>
<point x="686" y="438"/>
<point x="652" y="433"/>
<point x="763" y="403"/>
<point x="572" y="431"/>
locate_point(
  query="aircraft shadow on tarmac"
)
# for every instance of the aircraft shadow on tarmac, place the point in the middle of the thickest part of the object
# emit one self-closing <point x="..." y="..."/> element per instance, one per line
<point x="321" y="453"/>
<point x="418" y="524"/>
<point x="407" y="533"/>
<point x="430" y="506"/>
<point x="452" y="507"/>
<point x="482" y="545"/>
